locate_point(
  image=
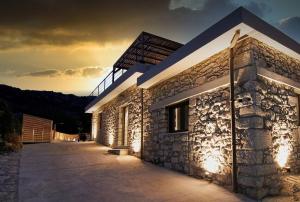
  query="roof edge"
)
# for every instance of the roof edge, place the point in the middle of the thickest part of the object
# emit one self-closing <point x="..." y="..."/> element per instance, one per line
<point x="138" y="68"/>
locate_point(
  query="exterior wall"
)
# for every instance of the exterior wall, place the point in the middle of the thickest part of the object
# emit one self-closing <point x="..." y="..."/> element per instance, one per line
<point x="162" y="147"/>
<point x="111" y="125"/>
<point x="266" y="115"/>
<point x="258" y="133"/>
<point x="210" y="135"/>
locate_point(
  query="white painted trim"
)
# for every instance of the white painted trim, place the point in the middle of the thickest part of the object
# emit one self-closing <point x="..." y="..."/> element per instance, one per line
<point x="216" y="39"/>
<point x="277" y="78"/>
<point x="130" y="81"/>
<point x="211" y="48"/>
<point x="209" y="86"/>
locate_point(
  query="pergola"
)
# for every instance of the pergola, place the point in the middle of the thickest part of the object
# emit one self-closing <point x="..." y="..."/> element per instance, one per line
<point x="146" y="49"/>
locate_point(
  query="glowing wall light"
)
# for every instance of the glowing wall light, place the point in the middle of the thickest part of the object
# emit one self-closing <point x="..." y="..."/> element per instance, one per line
<point x="110" y="139"/>
<point x="281" y="130"/>
<point x="212" y="161"/>
<point x="282" y="153"/>
<point x="136" y="145"/>
<point x="94" y="130"/>
<point x="136" y="141"/>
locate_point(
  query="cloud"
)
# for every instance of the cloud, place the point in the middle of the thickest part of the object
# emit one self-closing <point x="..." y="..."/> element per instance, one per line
<point x="68" y="22"/>
<point x="291" y="26"/>
<point x="71" y="72"/>
<point x="92" y="71"/>
<point x="259" y="8"/>
<point x="76" y="72"/>
<point x="43" y="73"/>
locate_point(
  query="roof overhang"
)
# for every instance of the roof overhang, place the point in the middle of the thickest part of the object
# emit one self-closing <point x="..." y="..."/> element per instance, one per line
<point x="127" y="80"/>
<point x="216" y="39"/>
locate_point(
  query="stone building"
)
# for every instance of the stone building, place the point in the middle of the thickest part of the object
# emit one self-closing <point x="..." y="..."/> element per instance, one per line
<point x="169" y="104"/>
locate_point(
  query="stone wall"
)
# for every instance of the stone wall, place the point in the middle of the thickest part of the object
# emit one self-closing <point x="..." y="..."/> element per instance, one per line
<point x="259" y="128"/>
<point x="111" y="125"/>
<point x="210" y="136"/>
<point x="167" y="149"/>
<point x="276" y="61"/>
<point x="266" y="115"/>
<point x="191" y="158"/>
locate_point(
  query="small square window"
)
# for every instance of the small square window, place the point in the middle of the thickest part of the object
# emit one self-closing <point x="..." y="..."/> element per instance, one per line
<point x="178" y="117"/>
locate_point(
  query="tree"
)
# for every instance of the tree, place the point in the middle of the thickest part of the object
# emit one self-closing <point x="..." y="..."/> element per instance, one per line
<point x="6" y="121"/>
<point x="9" y="128"/>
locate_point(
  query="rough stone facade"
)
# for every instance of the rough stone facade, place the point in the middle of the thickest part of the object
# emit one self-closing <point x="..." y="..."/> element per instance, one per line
<point x="111" y="120"/>
<point x="210" y="135"/>
<point x="266" y="115"/>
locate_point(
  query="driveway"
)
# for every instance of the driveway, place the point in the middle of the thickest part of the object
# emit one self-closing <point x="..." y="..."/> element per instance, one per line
<point x="84" y="172"/>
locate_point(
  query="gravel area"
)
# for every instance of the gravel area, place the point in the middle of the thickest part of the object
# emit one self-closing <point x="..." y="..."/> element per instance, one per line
<point x="9" y="171"/>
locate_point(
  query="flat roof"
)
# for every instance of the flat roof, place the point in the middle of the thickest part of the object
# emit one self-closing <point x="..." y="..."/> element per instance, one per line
<point x="147" y="48"/>
<point x="215" y="39"/>
<point x="124" y="82"/>
<point x="208" y="43"/>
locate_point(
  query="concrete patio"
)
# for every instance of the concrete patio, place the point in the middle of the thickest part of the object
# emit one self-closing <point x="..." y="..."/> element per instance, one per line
<point x="84" y="172"/>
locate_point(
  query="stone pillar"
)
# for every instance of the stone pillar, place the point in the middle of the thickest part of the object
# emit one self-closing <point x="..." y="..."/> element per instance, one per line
<point x="257" y="174"/>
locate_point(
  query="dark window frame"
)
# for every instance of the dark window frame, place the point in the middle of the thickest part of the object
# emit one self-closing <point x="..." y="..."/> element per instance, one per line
<point x="184" y="117"/>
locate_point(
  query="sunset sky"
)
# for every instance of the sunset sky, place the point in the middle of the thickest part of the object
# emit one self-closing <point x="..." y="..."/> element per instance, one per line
<point x="68" y="45"/>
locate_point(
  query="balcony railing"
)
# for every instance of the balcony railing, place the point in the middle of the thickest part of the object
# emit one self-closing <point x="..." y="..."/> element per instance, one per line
<point x="107" y="81"/>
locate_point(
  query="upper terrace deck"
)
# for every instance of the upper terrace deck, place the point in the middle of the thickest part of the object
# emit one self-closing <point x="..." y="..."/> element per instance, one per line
<point x="146" y="49"/>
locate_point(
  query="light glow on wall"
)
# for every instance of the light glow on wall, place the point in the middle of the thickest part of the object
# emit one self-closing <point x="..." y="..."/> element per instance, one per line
<point x="136" y="145"/>
<point x="94" y="130"/>
<point x="282" y="144"/>
<point x="110" y="139"/>
<point x="212" y="161"/>
<point x="136" y="141"/>
<point x="282" y="153"/>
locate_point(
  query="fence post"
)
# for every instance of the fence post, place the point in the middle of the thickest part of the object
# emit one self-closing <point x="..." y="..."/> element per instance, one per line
<point x="33" y="135"/>
<point x="43" y="135"/>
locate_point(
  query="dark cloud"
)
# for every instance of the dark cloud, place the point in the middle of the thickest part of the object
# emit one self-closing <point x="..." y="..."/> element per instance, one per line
<point x="291" y="26"/>
<point x="71" y="72"/>
<point x="65" y="22"/>
<point x="259" y="8"/>
<point x="78" y="72"/>
<point x="43" y="73"/>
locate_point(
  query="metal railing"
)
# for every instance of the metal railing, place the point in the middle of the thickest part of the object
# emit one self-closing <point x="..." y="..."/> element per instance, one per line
<point x="107" y="81"/>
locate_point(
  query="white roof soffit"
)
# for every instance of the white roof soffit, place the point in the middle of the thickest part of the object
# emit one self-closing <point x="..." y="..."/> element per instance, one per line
<point x="127" y="80"/>
<point x="216" y="39"/>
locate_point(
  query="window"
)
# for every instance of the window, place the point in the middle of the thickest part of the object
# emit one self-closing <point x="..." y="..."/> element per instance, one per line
<point x="178" y="117"/>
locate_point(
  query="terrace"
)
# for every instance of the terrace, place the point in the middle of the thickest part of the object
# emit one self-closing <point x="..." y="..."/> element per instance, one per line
<point x="147" y="49"/>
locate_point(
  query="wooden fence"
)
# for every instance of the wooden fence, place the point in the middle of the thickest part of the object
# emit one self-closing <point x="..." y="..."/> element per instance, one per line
<point x="36" y="129"/>
<point x="58" y="136"/>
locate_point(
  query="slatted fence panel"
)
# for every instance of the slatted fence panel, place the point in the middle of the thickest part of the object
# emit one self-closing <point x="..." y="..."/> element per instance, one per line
<point x="36" y="129"/>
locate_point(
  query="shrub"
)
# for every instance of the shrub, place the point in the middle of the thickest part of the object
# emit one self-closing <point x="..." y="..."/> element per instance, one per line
<point x="9" y="129"/>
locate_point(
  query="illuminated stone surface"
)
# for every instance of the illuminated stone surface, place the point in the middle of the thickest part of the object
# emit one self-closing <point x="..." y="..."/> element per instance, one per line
<point x="266" y="114"/>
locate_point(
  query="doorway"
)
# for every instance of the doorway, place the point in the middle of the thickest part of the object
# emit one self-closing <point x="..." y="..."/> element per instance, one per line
<point x="125" y="112"/>
<point x="100" y="136"/>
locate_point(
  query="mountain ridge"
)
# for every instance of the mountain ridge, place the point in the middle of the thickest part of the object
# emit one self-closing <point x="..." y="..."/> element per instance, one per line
<point x="59" y="107"/>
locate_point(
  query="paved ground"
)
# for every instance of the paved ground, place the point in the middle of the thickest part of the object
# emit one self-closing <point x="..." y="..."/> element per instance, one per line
<point x="9" y="169"/>
<point x="84" y="172"/>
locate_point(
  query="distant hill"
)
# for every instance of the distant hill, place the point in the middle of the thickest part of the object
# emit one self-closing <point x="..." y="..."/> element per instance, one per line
<point x="61" y="108"/>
